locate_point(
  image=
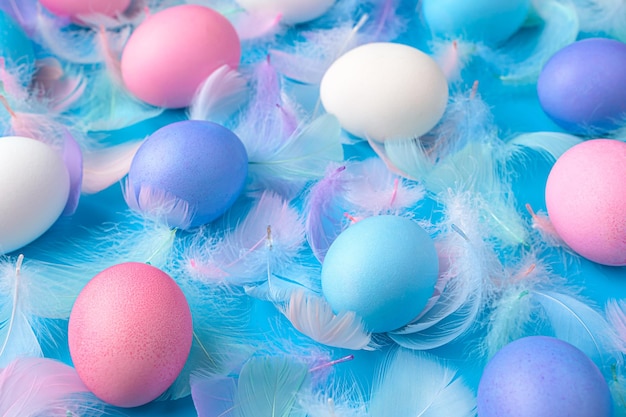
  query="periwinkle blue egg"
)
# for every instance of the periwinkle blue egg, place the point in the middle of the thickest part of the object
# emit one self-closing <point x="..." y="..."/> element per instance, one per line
<point x="383" y="268"/>
<point x="582" y="87"/>
<point x="540" y="376"/>
<point x="200" y="164"/>
<point x="487" y="21"/>
<point x="15" y="47"/>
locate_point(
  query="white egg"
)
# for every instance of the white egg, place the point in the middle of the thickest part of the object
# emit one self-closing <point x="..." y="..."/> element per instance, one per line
<point x="34" y="187"/>
<point x="385" y="91"/>
<point x="292" y="11"/>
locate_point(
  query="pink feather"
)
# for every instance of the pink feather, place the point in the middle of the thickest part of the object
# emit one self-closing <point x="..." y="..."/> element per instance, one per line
<point x="31" y="387"/>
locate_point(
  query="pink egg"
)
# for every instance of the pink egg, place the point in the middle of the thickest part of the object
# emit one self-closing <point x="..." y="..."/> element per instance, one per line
<point x="130" y="333"/>
<point x="170" y="54"/>
<point x="586" y="200"/>
<point x="73" y="8"/>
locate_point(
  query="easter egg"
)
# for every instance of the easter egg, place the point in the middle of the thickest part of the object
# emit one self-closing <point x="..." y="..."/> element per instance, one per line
<point x="488" y="21"/>
<point x="201" y="165"/>
<point x="582" y="87"/>
<point x="383" y="268"/>
<point x="76" y="8"/>
<point x="542" y="376"/>
<point x="586" y="200"/>
<point x="34" y="188"/>
<point x="291" y="11"/>
<point x="171" y="53"/>
<point x="15" y="47"/>
<point x="130" y="333"/>
<point x="385" y="91"/>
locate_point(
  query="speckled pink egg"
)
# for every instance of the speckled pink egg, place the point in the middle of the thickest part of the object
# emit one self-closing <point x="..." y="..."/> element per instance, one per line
<point x="74" y="8"/>
<point x="130" y="333"/>
<point x="586" y="200"/>
<point x="172" y="52"/>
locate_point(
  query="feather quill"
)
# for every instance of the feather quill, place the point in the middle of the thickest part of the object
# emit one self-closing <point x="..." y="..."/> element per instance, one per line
<point x="313" y="317"/>
<point x="31" y="387"/>
<point x="267" y="242"/>
<point x="412" y="384"/>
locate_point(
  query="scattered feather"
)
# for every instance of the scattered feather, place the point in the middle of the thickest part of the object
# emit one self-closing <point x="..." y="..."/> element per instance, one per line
<point x="559" y="28"/>
<point x="214" y="397"/>
<point x="602" y="16"/>
<point x="313" y="316"/>
<point x="33" y="292"/>
<point x="269" y="386"/>
<point x="416" y="384"/>
<point x="219" y="96"/>
<point x="107" y="166"/>
<point x="31" y="387"/>
<point x="551" y="145"/>
<point x="267" y="242"/>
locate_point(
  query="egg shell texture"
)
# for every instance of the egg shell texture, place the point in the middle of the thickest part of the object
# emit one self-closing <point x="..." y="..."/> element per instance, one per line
<point x="201" y="163"/>
<point x="34" y="188"/>
<point x="582" y="87"/>
<point x="384" y="268"/>
<point x="489" y="21"/>
<point x="73" y="8"/>
<point x="586" y="200"/>
<point x="291" y="11"/>
<point x="130" y="334"/>
<point x="542" y="376"/>
<point x="385" y="91"/>
<point x="170" y="54"/>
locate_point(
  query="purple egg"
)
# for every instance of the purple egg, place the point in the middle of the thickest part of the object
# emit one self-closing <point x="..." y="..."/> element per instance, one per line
<point x="541" y="376"/>
<point x="187" y="173"/>
<point x="583" y="86"/>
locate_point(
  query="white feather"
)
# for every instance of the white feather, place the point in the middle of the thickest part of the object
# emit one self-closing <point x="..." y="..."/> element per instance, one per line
<point x="313" y="316"/>
<point x="604" y="16"/>
<point x="410" y="384"/>
<point x="107" y="166"/>
<point x="559" y="28"/>
<point x="219" y="96"/>
<point x="551" y="145"/>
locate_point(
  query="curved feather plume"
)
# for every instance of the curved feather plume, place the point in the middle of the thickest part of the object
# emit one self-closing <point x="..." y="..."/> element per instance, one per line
<point x="106" y="166"/>
<point x="31" y="387"/>
<point x="214" y="397"/>
<point x="412" y="384"/>
<point x="33" y="292"/>
<point x="269" y="386"/>
<point x="533" y="299"/>
<point x="472" y="264"/>
<point x="604" y="16"/>
<point x="313" y="317"/>
<point x="265" y="244"/>
<point x="219" y="96"/>
<point x="551" y="145"/>
<point x="559" y="27"/>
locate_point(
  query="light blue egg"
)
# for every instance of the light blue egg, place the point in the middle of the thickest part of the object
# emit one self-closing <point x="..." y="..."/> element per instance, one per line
<point x="488" y="21"/>
<point x="15" y="47"/>
<point x="383" y="268"/>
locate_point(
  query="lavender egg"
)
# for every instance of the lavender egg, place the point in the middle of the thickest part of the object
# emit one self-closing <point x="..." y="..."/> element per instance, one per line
<point x="582" y="88"/>
<point x="541" y="376"/>
<point x="187" y="173"/>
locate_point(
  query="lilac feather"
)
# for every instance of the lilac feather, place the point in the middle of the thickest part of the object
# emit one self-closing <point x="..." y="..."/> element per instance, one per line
<point x="219" y="96"/>
<point x="73" y="158"/>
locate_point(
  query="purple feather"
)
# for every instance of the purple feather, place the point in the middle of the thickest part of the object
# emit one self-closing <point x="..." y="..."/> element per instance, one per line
<point x="73" y="158"/>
